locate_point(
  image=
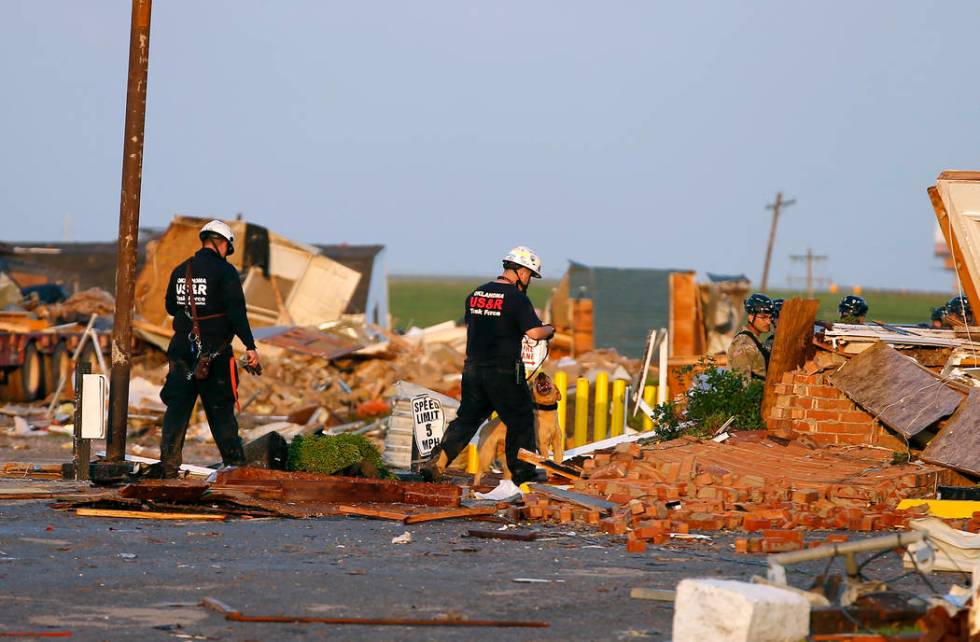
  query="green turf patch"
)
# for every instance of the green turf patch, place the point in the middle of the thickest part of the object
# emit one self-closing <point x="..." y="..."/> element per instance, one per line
<point x="336" y="455"/>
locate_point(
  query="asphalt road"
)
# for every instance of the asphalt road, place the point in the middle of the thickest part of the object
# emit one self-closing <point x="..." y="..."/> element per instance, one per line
<point x="115" y="579"/>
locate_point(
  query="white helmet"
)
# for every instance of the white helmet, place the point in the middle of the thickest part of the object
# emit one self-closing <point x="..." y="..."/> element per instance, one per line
<point x="525" y="257"/>
<point x="221" y="229"/>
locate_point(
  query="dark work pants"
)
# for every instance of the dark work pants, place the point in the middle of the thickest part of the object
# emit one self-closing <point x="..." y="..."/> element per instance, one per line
<point x="487" y="389"/>
<point x="218" y="400"/>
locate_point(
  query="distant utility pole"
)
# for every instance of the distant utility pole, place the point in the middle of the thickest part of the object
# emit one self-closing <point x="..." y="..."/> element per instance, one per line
<point x="809" y="257"/>
<point x="775" y="207"/>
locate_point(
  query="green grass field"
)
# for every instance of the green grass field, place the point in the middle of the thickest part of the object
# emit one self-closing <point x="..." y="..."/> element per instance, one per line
<point x="427" y="300"/>
<point x="888" y="306"/>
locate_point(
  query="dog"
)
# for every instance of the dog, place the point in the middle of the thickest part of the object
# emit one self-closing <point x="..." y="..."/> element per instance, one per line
<point x="547" y="433"/>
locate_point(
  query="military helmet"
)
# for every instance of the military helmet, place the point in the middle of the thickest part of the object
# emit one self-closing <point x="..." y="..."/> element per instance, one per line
<point x="938" y="313"/>
<point x="960" y="305"/>
<point x="777" y="307"/>
<point x="759" y="304"/>
<point x="853" y="306"/>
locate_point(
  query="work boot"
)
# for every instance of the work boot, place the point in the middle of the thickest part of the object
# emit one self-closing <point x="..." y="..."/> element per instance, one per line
<point x="433" y="468"/>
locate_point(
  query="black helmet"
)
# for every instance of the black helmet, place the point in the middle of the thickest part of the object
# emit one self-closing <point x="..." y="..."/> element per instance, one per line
<point x="960" y="305"/>
<point x="938" y="313"/>
<point x="777" y="307"/>
<point x="853" y="306"/>
<point x="759" y="304"/>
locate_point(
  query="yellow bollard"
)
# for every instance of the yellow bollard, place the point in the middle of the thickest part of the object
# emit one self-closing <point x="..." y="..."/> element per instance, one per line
<point x="601" y="415"/>
<point x="618" y="408"/>
<point x="561" y="382"/>
<point x="649" y="397"/>
<point x="472" y="459"/>
<point x="581" y="411"/>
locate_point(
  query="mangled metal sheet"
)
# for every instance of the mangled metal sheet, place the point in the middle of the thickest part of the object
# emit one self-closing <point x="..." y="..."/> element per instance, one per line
<point x="894" y="388"/>
<point x="957" y="445"/>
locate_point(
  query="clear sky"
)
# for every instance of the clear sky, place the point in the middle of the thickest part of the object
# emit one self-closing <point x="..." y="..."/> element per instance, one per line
<point x="626" y="134"/>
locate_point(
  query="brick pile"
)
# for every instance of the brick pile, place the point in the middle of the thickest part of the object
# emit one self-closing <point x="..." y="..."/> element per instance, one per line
<point x="749" y="483"/>
<point x="810" y="405"/>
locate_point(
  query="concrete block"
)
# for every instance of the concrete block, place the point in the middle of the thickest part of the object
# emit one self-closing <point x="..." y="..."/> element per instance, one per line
<point x="730" y="611"/>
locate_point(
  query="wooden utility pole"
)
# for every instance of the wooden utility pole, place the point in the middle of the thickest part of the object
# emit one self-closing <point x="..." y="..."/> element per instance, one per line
<point x="775" y="207"/>
<point x="129" y="217"/>
<point x="810" y="258"/>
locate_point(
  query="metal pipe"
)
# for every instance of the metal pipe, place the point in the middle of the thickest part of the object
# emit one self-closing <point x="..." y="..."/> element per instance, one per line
<point x="129" y="214"/>
<point x="777" y="572"/>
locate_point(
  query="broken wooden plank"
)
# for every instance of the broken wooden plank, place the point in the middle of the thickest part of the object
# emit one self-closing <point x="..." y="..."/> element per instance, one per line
<point x="315" y="487"/>
<point x="166" y="490"/>
<point x="519" y="536"/>
<point x="145" y="514"/>
<point x="370" y="511"/>
<point x="450" y="514"/>
<point x="896" y="390"/>
<point x="569" y="471"/>
<point x="957" y="445"/>
<point x="789" y="350"/>
<point x="579" y="499"/>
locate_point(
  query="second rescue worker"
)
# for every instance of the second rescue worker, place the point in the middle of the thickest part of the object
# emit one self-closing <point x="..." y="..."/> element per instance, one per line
<point x="498" y="316"/>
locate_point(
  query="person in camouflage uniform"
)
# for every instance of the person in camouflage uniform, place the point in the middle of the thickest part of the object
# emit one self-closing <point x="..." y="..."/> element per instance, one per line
<point x="958" y="313"/>
<point x="853" y="309"/>
<point x="746" y="353"/>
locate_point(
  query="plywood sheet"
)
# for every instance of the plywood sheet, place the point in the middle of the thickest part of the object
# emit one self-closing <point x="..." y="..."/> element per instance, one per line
<point x="322" y="292"/>
<point x="899" y="392"/>
<point x="958" y="444"/>
<point x="686" y="329"/>
<point x="794" y="336"/>
<point x="956" y="201"/>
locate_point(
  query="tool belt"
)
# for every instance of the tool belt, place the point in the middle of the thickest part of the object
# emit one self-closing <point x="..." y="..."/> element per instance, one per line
<point x="203" y="358"/>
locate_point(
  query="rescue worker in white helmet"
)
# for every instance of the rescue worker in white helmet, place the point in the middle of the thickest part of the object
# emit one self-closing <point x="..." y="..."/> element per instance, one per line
<point x="498" y="316"/>
<point x="205" y="298"/>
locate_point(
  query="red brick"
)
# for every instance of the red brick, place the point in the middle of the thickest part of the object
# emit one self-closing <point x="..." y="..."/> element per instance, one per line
<point x="636" y="546"/>
<point x="833" y="404"/>
<point x="680" y="527"/>
<point x="782" y="388"/>
<point x="752" y="524"/>
<point x="805" y="496"/>
<point x="793" y="536"/>
<point x="704" y="479"/>
<point x="613" y="525"/>
<point x="806" y="379"/>
<point x="823" y="415"/>
<point x="779" y="545"/>
<point x="802" y="402"/>
<point x="856" y="416"/>
<point x="824" y="392"/>
<point x="788" y="377"/>
<point x="801" y="390"/>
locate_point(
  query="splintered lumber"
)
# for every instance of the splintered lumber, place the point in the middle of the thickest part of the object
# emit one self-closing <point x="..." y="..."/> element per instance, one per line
<point x="26" y="493"/>
<point x="900" y="393"/>
<point x="519" y="536"/>
<point x="451" y="514"/>
<point x="568" y="471"/>
<point x="166" y="490"/>
<point x="789" y="350"/>
<point x="15" y="469"/>
<point x="371" y="511"/>
<point x="233" y="615"/>
<point x="145" y="514"/>
<point x="579" y="499"/>
<point x="314" y="487"/>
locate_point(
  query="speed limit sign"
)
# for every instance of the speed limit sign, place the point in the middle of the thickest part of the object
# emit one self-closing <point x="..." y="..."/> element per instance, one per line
<point x="430" y="423"/>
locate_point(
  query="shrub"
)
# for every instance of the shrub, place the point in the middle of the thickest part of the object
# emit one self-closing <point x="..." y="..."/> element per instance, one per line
<point x="713" y="399"/>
